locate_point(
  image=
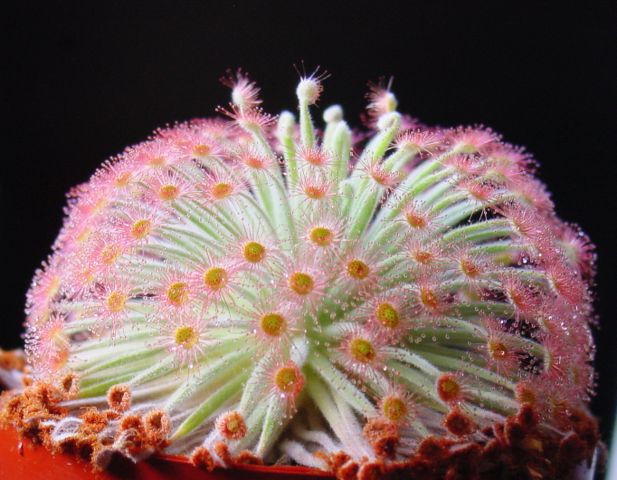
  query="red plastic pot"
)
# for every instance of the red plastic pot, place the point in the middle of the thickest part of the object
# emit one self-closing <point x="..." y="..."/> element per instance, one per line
<point x="21" y="459"/>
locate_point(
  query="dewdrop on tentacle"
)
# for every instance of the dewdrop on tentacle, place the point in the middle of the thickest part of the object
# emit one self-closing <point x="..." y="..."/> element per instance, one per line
<point x="254" y="289"/>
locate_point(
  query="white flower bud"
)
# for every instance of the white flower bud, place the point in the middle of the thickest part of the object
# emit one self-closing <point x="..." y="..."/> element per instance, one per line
<point x="388" y="120"/>
<point x="286" y="123"/>
<point x="333" y="113"/>
<point x="308" y="90"/>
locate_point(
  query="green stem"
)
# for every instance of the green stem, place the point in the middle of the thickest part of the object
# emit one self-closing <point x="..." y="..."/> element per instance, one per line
<point x="307" y="131"/>
<point x="224" y="367"/>
<point x="340" y="382"/>
<point x="210" y="405"/>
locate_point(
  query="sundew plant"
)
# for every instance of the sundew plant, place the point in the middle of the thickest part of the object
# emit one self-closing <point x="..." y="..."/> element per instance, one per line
<point x="400" y="299"/>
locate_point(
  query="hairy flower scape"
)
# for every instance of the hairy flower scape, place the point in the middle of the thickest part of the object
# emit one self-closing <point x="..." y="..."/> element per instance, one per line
<point x="403" y="301"/>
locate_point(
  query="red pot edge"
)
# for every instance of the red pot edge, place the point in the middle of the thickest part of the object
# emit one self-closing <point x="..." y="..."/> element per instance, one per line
<point x="21" y="458"/>
<point x="254" y="468"/>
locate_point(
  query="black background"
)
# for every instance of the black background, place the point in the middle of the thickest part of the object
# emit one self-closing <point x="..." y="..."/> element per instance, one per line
<point x="87" y="80"/>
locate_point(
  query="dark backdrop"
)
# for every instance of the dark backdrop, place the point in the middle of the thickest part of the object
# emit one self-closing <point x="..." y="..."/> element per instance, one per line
<point x="87" y="80"/>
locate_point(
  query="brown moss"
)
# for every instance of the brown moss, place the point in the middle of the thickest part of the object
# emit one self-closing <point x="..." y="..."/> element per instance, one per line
<point x="132" y="432"/>
<point x="434" y="447"/>
<point x="572" y="451"/>
<point x="69" y="385"/>
<point x="246" y="457"/>
<point x="348" y="471"/>
<point x="464" y="461"/>
<point x="12" y="360"/>
<point x="386" y="445"/>
<point x="68" y="444"/>
<point x="31" y="410"/>
<point x="111" y="415"/>
<point x="10" y="403"/>
<point x="416" y="468"/>
<point x="521" y="447"/>
<point x="371" y="471"/>
<point x="101" y="457"/>
<point x="458" y="423"/>
<point x="47" y="395"/>
<point x="119" y="398"/>
<point x="86" y="444"/>
<point x="131" y="422"/>
<point x="94" y="421"/>
<point x="202" y="458"/>
<point x="513" y="432"/>
<point x="333" y="460"/>
<point x="583" y="424"/>
<point x="383" y="436"/>
<point x="222" y="450"/>
<point x="157" y="426"/>
<point x="527" y="416"/>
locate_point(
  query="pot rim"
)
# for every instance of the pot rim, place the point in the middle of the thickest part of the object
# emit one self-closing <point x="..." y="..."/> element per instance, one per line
<point x="292" y="469"/>
<point x="22" y="458"/>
